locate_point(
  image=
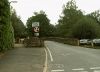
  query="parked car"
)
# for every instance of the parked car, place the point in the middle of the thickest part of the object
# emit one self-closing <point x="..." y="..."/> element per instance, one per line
<point x="85" y="41"/>
<point x="96" y="41"/>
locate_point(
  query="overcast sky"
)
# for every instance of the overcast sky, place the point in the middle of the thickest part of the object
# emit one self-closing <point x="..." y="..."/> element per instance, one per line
<point x="53" y="8"/>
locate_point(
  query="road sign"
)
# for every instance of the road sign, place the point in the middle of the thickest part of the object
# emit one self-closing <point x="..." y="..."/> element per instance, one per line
<point x="35" y="24"/>
<point x="36" y="34"/>
<point x="36" y="29"/>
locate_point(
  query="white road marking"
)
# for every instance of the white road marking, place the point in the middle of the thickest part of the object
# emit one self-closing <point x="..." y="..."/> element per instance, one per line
<point x="45" y="65"/>
<point x="84" y="71"/>
<point x="50" y="54"/>
<point x="97" y="71"/>
<point x="59" y="70"/>
<point x="61" y="66"/>
<point x="95" y="68"/>
<point x="78" y="69"/>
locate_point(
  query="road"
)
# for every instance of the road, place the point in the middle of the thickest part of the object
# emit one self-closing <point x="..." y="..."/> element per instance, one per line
<point x="67" y="58"/>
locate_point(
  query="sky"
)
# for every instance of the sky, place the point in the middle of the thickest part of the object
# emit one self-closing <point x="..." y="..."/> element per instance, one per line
<point x="53" y="8"/>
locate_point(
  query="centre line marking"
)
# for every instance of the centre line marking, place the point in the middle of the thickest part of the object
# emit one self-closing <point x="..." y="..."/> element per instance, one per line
<point x="50" y="54"/>
<point x="57" y="70"/>
<point x="78" y="69"/>
<point x="95" y="68"/>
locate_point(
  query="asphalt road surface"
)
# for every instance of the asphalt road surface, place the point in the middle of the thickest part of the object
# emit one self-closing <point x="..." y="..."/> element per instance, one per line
<point x="67" y="58"/>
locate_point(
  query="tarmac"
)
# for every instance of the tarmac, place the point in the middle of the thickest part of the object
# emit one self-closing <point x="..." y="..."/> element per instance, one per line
<point x="23" y="60"/>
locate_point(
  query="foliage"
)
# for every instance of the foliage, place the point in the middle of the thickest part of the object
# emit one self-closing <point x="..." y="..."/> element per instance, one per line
<point x="85" y="29"/>
<point x="73" y="23"/>
<point x="95" y="15"/>
<point x="70" y="16"/>
<point x="6" y="29"/>
<point x="52" y="30"/>
<point x="19" y="28"/>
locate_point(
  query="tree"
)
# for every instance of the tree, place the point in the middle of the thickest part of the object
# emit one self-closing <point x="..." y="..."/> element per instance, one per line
<point x="73" y="23"/>
<point x="43" y="21"/>
<point x="19" y="27"/>
<point x="6" y="29"/>
<point x="86" y="28"/>
<point x="95" y="15"/>
<point x="52" y="30"/>
<point x="70" y="16"/>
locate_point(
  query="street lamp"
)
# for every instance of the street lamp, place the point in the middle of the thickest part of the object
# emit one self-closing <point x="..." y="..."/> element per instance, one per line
<point x="10" y="5"/>
<point x="12" y="2"/>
